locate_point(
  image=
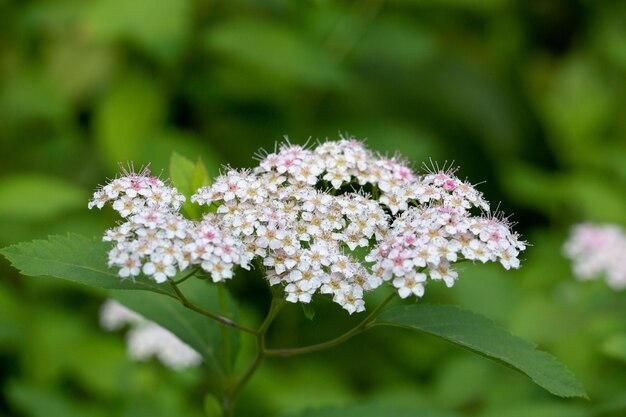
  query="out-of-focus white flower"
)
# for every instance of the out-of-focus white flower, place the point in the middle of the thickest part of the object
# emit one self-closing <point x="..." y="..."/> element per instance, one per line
<point x="146" y="339"/>
<point x="114" y="316"/>
<point x="598" y="250"/>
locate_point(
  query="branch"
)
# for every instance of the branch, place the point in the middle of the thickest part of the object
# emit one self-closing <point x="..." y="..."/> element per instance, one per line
<point x="361" y="327"/>
<point x="223" y="320"/>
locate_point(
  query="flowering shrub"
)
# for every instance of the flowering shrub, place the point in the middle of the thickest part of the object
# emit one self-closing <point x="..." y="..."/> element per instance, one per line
<point x="336" y="220"/>
<point x="303" y="213"/>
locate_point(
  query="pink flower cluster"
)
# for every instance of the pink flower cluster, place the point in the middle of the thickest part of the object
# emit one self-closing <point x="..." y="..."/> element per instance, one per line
<point x="598" y="250"/>
<point x="334" y="219"/>
<point x="156" y="239"/>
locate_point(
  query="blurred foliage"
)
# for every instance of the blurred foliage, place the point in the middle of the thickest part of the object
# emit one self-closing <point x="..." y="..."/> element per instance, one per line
<point x="527" y="95"/>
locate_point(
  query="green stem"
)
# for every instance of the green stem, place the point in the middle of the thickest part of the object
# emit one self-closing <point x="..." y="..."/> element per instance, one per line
<point x="362" y="326"/>
<point x="225" y="331"/>
<point x="186" y="277"/>
<point x="222" y="320"/>
<point x="228" y="401"/>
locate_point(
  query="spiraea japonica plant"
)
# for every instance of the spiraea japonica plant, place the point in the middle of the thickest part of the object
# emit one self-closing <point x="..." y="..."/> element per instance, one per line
<point x="331" y="220"/>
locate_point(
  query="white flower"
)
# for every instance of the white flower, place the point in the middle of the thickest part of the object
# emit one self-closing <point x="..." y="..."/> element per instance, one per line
<point x="443" y="272"/>
<point x="152" y="340"/>
<point x="410" y="284"/>
<point x="147" y="339"/>
<point x="160" y="267"/>
<point x="114" y="316"/>
<point x="598" y="250"/>
<point x="304" y="214"/>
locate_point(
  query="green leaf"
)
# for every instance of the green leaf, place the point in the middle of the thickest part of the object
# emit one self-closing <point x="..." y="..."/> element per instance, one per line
<point x="181" y="173"/>
<point x="74" y="258"/>
<point x="368" y="410"/>
<point x="127" y="117"/>
<point x="187" y="177"/>
<point x="212" y="407"/>
<point x="45" y="402"/>
<point x="38" y="197"/>
<point x="539" y="410"/>
<point x="615" y="347"/>
<point x="160" y="27"/>
<point x="201" y="333"/>
<point x="276" y="49"/>
<point x="483" y="336"/>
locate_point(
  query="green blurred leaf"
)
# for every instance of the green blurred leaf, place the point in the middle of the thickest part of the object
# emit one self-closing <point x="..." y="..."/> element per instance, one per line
<point x="38" y="197"/>
<point x="21" y="98"/>
<point x="368" y="410"/>
<point x="539" y="410"/>
<point x="11" y="326"/>
<point x="532" y="187"/>
<point x="593" y="197"/>
<point x="321" y="379"/>
<point x="610" y="34"/>
<point x="451" y="389"/>
<point x="187" y="177"/>
<point x="201" y="333"/>
<point x="212" y="406"/>
<point x="615" y="347"/>
<point x="577" y="106"/>
<point x="482" y="336"/>
<point x="79" y="69"/>
<point x="74" y="258"/>
<point x="41" y="402"/>
<point x="276" y="49"/>
<point x="127" y="117"/>
<point x="161" y="27"/>
<point x="477" y="5"/>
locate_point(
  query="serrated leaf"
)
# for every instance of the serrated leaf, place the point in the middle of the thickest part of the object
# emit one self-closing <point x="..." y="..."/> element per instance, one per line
<point x="201" y="333"/>
<point x="74" y="258"/>
<point x="481" y="335"/>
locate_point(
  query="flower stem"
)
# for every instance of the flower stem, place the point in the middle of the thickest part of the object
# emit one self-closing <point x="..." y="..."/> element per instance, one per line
<point x="362" y="326"/>
<point x="222" y="320"/>
<point x="231" y="395"/>
<point x="186" y="277"/>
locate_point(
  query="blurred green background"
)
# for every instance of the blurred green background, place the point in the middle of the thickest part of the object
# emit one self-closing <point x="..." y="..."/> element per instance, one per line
<point x="525" y="95"/>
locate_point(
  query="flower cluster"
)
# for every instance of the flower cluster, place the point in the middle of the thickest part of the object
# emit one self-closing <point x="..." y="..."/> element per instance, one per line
<point x="304" y="237"/>
<point x="146" y="339"/>
<point x="597" y="250"/>
<point x="156" y="239"/>
<point x="336" y="219"/>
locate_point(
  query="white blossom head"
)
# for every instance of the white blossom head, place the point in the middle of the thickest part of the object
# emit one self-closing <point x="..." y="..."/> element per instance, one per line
<point x="155" y="239"/>
<point x="598" y="251"/>
<point x="342" y="220"/>
<point x="146" y="339"/>
<point x="336" y="219"/>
